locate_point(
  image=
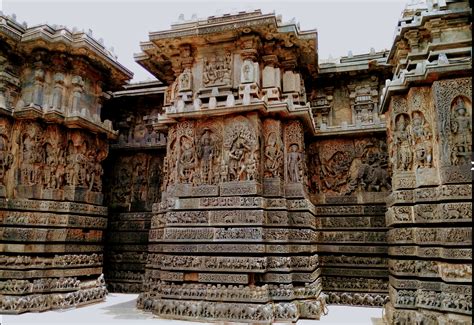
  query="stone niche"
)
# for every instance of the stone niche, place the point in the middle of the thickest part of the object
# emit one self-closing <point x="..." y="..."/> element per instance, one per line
<point x="233" y="236"/>
<point x="52" y="145"/>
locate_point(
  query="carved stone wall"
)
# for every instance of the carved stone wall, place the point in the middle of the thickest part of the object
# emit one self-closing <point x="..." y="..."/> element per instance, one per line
<point x="133" y="184"/>
<point x="349" y="181"/>
<point x="52" y="220"/>
<point x="429" y="209"/>
<point x="429" y="128"/>
<point x="234" y="229"/>
<point x="52" y="145"/>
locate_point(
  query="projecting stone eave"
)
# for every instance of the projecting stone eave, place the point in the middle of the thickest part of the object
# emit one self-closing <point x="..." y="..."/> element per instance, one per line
<point x="76" y="43"/>
<point x="281" y="109"/>
<point x="430" y="73"/>
<point x="357" y="63"/>
<point x="418" y="21"/>
<point x="145" y="60"/>
<point x="160" y="54"/>
<point x="10" y="30"/>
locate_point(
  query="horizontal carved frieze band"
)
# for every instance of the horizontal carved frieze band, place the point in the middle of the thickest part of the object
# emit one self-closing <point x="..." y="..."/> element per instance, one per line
<point x="256" y="264"/>
<point x="448" y="272"/>
<point x="443" y="301"/>
<point x="52" y="206"/>
<point x="460" y="236"/>
<point x="354" y="284"/>
<point x="432" y="252"/>
<point x="58" y="272"/>
<point x="28" y="218"/>
<point x="34" y="302"/>
<point x="357" y="299"/>
<point x="232" y="248"/>
<point x="430" y="213"/>
<point x="409" y="316"/>
<point x="11" y="234"/>
<point x="450" y="192"/>
<point x="223" y="292"/>
<point x="233" y="234"/>
<point x="24" y="262"/>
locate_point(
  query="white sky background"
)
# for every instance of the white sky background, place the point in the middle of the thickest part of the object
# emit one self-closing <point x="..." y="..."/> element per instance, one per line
<point x="342" y="25"/>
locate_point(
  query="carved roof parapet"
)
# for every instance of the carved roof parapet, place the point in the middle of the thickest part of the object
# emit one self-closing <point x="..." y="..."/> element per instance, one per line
<point x="252" y="33"/>
<point x="432" y="40"/>
<point x="419" y="30"/>
<point x="354" y="63"/>
<point x="10" y="29"/>
<point x="76" y="43"/>
<point x="24" y="40"/>
<point x="352" y="129"/>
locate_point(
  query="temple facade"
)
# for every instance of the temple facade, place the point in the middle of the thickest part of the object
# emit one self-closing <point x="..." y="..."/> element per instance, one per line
<point x="251" y="182"/>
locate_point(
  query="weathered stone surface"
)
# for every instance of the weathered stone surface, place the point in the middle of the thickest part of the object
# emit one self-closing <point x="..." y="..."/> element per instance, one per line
<point x="430" y="242"/>
<point x="53" y="143"/>
<point x="251" y="183"/>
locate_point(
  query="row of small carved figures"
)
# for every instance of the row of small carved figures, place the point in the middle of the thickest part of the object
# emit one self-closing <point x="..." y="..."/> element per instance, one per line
<point x="354" y="260"/>
<point x="268" y="312"/>
<point x="129" y="257"/>
<point x="51" y="301"/>
<point x="16" y="286"/>
<point x="434" y="300"/>
<point x="199" y="217"/>
<point x="342" y="283"/>
<point x="123" y="287"/>
<point x="233" y="292"/>
<point x="42" y="219"/>
<point x="125" y="275"/>
<point x="362" y="299"/>
<point x="212" y="262"/>
<point x="56" y="206"/>
<point x="430" y="268"/>
<point x="22" y="261"/>
<point x="247" y="233"/>
<point x="421" y="316"/>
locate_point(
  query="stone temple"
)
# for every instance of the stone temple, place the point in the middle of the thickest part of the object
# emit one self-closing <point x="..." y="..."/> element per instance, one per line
<point x="251" y="182"/>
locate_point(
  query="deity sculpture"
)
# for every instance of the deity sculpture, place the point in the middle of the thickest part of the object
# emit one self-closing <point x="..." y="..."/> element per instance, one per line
<point x="58" y="91"/>
<point x="30" y="156"/>
<point x="184" y="81"/>
<point x="251" y="172"/>
<point x="187" y="160"/>
<point x="139" y="182"/>
<point x="461" y="130"/>
<point x="6" y="159"/>
<point x="247" y="71"/>
<point x="294" y="164"/>
<point x="38" y="87"/>
<point x="224" y="171"/>
<point x="217" y="70"/>
<point x="273" y="156"/>
<point x="206" y="153"/>
<point x="422" y="138"/>
<point x="401" y="141"/>
<point x="77" y="91"/>
<point x="237" y="157"/>
<point x="50" y="166"/>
